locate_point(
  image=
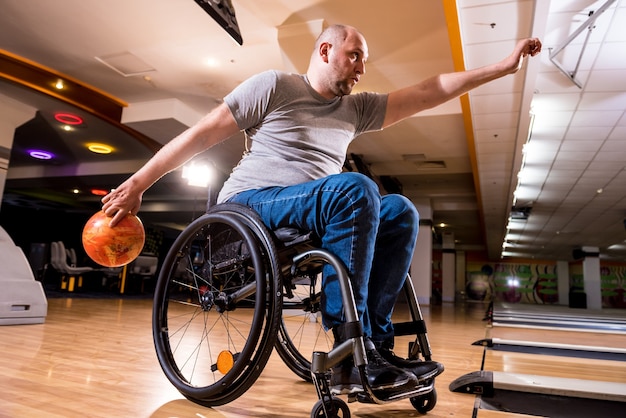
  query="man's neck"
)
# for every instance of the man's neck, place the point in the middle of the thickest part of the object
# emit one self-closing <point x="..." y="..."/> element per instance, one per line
<point x="316" y="85"/>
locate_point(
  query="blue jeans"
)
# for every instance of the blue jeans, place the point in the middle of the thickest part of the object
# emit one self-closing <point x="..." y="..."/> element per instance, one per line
<point x="373" y="235"/>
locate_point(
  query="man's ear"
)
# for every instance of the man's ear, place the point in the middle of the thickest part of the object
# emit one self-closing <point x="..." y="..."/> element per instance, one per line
<point x="324" y="51"/>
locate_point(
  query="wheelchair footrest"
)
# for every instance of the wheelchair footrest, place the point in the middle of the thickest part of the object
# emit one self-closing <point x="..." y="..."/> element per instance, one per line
<point x="385" y="396"/>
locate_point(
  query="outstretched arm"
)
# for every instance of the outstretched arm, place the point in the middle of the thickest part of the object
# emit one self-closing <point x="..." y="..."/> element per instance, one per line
<point x="215" y="127"/>
<point x="436" y="90"/>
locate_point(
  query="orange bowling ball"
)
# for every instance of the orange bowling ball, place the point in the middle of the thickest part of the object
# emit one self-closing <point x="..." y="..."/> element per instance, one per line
<point x="113" y="247"/>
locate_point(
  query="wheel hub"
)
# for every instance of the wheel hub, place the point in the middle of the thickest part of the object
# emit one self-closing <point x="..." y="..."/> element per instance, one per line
<point x="207" y="300"/>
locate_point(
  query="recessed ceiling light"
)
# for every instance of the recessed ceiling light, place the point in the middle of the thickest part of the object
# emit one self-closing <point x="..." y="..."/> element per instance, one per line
<point x="40" y="154"/>
<point x="68" y="118"/>
<point x="99" y="192"/>
<point x="212" y="62"/>
<point x="100" y="148"/>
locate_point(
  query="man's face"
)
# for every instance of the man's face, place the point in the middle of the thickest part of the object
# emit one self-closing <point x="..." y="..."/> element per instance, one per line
<point x="347" y="63"/>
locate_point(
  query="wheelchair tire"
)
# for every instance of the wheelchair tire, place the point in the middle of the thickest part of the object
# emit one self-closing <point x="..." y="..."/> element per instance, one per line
<point x="338" y="409"/>
<point x="424" y="403"/>
<point x="301" y="332"/>
<point x="217" y="307"/>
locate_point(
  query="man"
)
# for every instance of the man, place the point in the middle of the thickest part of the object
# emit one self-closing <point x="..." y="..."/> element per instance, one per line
<point x="300" y="127"/>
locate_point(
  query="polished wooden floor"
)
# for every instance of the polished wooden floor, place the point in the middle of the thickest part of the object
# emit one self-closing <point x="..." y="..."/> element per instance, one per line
<point x="95" y="358"/>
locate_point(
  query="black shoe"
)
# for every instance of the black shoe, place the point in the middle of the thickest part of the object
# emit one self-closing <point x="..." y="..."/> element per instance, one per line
<point x="381" y="376"/>
<point x="423" y="370"/>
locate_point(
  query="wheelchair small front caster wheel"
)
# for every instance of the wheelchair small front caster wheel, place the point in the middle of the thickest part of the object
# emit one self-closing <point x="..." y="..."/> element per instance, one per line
<point x="336" y="408"/>
<point x="424" y="403"/>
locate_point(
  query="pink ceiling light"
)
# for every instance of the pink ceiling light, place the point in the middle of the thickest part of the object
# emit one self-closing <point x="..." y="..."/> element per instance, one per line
<point x="68" y="118"/>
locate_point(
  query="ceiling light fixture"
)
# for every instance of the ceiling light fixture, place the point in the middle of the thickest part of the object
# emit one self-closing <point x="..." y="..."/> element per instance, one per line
<point x="212" y="62"/>
<point x="68" y="118"/>
<point x="198" y="174"/>
<point x="528" y="187"/>
<point x="40" y="154"/>
<point x="100" y="148"/>
<point x="59" y="85"/>
<point x="99" y="192"/>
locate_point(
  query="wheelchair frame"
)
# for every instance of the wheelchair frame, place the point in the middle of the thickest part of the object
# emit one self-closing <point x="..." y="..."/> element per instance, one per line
<point x="220" y="307"/>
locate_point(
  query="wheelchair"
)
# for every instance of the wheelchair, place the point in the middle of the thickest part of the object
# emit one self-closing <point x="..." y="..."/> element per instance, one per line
<point x="230" y="291"/>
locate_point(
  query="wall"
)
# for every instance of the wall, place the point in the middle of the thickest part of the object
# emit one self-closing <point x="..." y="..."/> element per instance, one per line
<point x="536" y="283"/>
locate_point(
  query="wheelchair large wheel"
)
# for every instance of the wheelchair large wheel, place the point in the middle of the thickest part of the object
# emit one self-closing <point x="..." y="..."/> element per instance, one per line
<point x="216" y="309"/>
<point x="301" y="331"/>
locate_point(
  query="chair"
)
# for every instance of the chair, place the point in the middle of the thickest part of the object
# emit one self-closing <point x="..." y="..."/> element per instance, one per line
<point x="71" y="275"/>
<point x="107" y="272"/>
<point x="143" y="267"/>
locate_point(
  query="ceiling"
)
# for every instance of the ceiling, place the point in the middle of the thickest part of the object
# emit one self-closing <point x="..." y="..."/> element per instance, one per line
<point x="560" y="122"/>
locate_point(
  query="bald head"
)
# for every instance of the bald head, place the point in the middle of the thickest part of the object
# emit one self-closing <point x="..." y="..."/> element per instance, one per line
<point x="335" y="34"/>
<point x="337" y="61"/>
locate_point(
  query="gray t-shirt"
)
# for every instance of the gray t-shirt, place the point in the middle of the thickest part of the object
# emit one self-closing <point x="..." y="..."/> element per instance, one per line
<point x="296" y="134"/>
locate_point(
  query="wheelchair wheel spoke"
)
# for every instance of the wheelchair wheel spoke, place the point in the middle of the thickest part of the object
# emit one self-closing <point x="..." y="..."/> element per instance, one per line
<point x="213" y="325"/>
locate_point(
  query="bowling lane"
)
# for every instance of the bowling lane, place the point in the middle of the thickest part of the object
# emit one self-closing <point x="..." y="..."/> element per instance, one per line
<point x="556" y="366"/>
<point x="554" y="317"/>
<point x="552" y="374"/>
<point x="558" y="330"/>
<point x="602" y="331"/>
<point x="486" y="413"/>
<point x="538" y="335"/>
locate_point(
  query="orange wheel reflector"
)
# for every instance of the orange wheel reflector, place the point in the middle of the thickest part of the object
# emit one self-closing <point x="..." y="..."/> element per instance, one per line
<point x="225" y="362"/>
